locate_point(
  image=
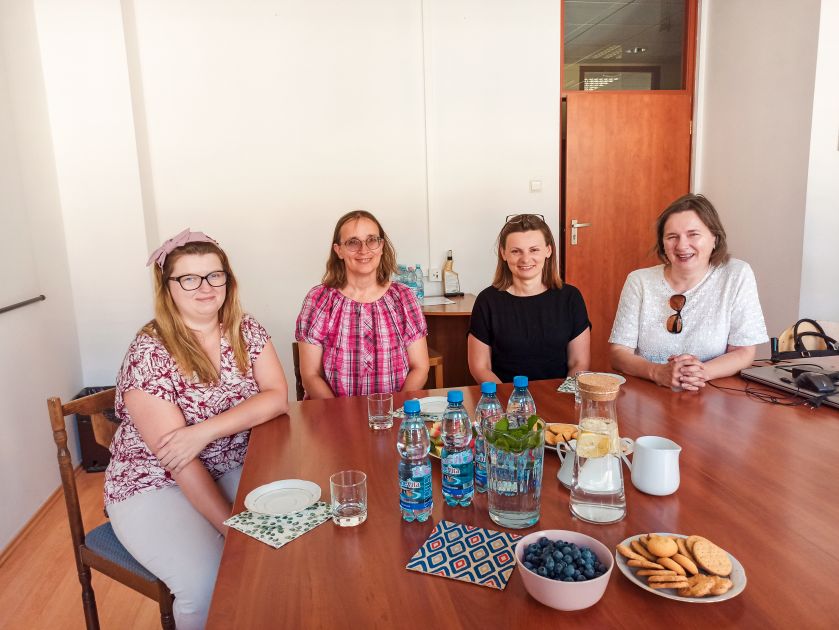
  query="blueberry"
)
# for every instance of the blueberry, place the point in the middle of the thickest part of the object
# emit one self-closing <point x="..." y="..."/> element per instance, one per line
<point x="566" y="549"/>
<point x="550" y="564"/>
<point x="600" y="567"/>
<point x="589" y="573"/>
<point x="557" y="556"/>
<point x="528" y="565"/>
<point x="542" y="571"/>
<point x="567" y="579"/>
<point x="560" y="565"/>
<point x="568" y="571"/>
<point x="533" y="549"/>
<point x="567" y="559"/>
<point x="576" y="554"/>
<point x="580" y="578"/>
<point x="544" y="542"/>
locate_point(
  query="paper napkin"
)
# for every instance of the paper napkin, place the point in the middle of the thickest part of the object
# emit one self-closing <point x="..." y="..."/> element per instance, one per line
<point x="467" y="553"/>
<point x="569" y="386"/>
<point x="280" y="530"/>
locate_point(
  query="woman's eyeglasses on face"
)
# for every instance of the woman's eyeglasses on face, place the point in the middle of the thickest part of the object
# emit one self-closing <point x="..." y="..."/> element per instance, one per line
<point x="521" y="218"/>
<point x="354" y="244"/>
<point x="191" y="281"/>
<point x="674" y="322"/>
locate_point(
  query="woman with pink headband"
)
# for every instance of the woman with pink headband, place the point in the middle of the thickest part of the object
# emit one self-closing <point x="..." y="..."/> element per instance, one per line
<point x="194" y="381"/>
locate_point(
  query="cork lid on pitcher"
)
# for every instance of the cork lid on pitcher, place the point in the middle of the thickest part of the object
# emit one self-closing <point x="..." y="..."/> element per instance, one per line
<point x="598" y="386"/>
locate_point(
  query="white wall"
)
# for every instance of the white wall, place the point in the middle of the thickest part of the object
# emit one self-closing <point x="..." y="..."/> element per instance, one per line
<point x="493" y="92"/>
<point x="39" y="351"/>
<point x="754" y="122"/>
<point x="89" y="101"/>
<point x="819" y="284"/>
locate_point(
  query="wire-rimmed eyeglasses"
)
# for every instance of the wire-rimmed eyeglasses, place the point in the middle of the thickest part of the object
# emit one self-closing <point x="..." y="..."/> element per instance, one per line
<point x="191" y="281"/>
<point x="354" y="244"/>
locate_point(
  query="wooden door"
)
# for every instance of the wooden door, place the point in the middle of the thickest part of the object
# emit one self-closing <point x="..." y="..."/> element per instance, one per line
<point x="627" y="157"/>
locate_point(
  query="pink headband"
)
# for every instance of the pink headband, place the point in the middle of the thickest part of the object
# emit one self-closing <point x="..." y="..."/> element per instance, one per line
<point x="159" y="255"/>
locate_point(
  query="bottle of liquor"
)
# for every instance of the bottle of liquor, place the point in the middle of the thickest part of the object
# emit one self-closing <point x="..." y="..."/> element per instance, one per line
<point x="451" y="282"/>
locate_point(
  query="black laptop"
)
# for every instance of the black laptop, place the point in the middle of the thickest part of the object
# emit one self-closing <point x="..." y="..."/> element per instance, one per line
<point x="781" y="376"/>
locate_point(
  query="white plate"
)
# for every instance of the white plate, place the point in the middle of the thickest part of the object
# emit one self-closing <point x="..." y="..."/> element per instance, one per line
<point x="738" y="576"/>
<point x="431" y="408"/>
<point x="283" y="497"/>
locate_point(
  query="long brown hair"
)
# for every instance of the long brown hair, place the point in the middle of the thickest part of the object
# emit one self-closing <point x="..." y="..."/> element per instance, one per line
<point x="179" y="340"/>
<point x="335" y="276"/>
<point x="526" y="223"/>
<point x="706" y="212"/>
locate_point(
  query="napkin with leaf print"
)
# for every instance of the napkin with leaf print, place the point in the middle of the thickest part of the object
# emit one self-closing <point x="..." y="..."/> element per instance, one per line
<point x="279" y="530"/>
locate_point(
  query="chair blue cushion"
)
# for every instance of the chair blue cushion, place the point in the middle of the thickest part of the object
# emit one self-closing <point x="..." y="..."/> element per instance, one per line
<point x="105" y="543"/>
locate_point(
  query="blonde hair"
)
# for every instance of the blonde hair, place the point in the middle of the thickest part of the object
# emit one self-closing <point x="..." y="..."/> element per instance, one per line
<point x="527" y="223"/>
<point x="168" y="326"/>
<point x="335" y="276"/>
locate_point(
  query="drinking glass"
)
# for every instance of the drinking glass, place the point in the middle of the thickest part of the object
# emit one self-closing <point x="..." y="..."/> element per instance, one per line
<point x="514" y="460"/>
<point x="380" y="411"/>
<point x="349" y="497"/>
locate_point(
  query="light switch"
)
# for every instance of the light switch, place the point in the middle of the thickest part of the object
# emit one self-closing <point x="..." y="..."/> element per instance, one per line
<point x="535" y="185"/>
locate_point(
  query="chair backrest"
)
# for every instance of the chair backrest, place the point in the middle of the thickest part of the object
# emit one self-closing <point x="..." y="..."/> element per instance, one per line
<point x="298" y="380"/>
<point x="786" y="340"/>
<point x="93" y="406"/>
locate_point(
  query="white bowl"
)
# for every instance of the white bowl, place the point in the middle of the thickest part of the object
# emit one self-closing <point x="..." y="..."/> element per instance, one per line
<point x="556" y="593"/>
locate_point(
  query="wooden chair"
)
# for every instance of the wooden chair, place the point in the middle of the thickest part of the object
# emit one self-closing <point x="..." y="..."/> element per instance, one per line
<point x="99" y="548"/>
<point x="435" y="361"/>
<point x="786" y="340"/>
<point x="298" y="380"/>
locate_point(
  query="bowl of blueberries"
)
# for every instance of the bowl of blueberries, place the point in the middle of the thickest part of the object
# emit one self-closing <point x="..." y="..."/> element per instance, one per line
<point x="563" y="569"/>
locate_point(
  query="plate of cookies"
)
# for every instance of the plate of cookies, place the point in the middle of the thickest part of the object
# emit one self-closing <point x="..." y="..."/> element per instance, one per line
<point x="685" y="568"/>
<point x="557" y="433"/>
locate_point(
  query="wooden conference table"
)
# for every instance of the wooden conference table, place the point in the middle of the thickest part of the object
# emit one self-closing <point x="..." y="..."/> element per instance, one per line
<point x="760" y="480"/>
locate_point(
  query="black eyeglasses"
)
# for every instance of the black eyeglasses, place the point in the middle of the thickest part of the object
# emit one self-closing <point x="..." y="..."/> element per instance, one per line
<point x="191" y="281"/>
<point x="522" y="218"/>
<point x="674" y="322"/>
<point x="354" y="244"/>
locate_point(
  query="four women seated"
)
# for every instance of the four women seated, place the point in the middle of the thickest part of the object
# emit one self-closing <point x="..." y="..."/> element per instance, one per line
<point x="198" y="376"/>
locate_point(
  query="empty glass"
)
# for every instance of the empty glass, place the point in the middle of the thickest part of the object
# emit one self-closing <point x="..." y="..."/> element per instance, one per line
<point x="380" y="411"/>
<point x="349" y="497"/>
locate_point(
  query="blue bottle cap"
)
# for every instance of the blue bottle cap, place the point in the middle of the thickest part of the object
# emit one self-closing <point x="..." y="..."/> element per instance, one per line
<point x="455" y="396"/>
<point x="488" y="388"/>
<point x="519" y="381"/>
<point x="412" y="406"/>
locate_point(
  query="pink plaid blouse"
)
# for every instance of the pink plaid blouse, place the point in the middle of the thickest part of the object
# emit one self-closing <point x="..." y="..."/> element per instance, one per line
<point x="364" y="345"/>
<point x="149" y="367"/>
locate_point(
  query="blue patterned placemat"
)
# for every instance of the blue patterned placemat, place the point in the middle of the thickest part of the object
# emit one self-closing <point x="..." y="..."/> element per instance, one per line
<point x="463" y="552"/>
<point x="280" y="530"/>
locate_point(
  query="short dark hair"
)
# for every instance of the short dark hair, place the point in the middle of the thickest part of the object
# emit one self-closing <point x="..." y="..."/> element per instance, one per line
<point x="706" y="212"/>
<point x="527" y="223"/>
<point x="335" y="276"/>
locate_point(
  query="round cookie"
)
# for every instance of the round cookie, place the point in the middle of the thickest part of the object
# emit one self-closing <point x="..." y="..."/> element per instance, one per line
<point x="662" y="547"/>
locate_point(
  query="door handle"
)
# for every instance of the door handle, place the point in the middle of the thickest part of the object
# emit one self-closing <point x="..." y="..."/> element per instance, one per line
<point x="574" y="225"/>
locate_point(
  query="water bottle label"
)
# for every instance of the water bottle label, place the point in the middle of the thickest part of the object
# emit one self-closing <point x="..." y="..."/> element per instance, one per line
<point x="458" y="457"/>
<point x="415" y="493"/>
<point x="421" y="472"/>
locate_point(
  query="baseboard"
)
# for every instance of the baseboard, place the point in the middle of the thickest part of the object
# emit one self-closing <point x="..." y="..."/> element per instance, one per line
<point x="32" y="522"/>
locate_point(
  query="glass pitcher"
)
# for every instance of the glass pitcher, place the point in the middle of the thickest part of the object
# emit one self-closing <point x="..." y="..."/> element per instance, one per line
<point x="597" y="494"/>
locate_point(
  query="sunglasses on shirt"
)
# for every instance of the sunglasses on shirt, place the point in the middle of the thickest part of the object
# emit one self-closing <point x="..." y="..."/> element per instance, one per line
<point x="674" y="322"/>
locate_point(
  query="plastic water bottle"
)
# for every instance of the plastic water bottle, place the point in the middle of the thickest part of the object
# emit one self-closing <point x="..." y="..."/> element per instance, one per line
<point x="520" y="406"/>
<point x="413" y="444"/>
<point x="487" y="413"/>
<point x="420" y="284"/>
<point x="458" y="470"/>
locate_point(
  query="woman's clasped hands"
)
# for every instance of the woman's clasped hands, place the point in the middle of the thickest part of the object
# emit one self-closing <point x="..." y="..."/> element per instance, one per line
<point x="683" y="371"/>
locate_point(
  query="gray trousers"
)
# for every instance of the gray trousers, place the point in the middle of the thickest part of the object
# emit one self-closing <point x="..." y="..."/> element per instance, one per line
<point x="169" y="537"/>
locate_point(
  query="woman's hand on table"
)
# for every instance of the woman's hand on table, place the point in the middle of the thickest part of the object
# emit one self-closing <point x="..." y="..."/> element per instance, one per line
<point x="687" y="372"/>
<point x="179" y="447"/>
